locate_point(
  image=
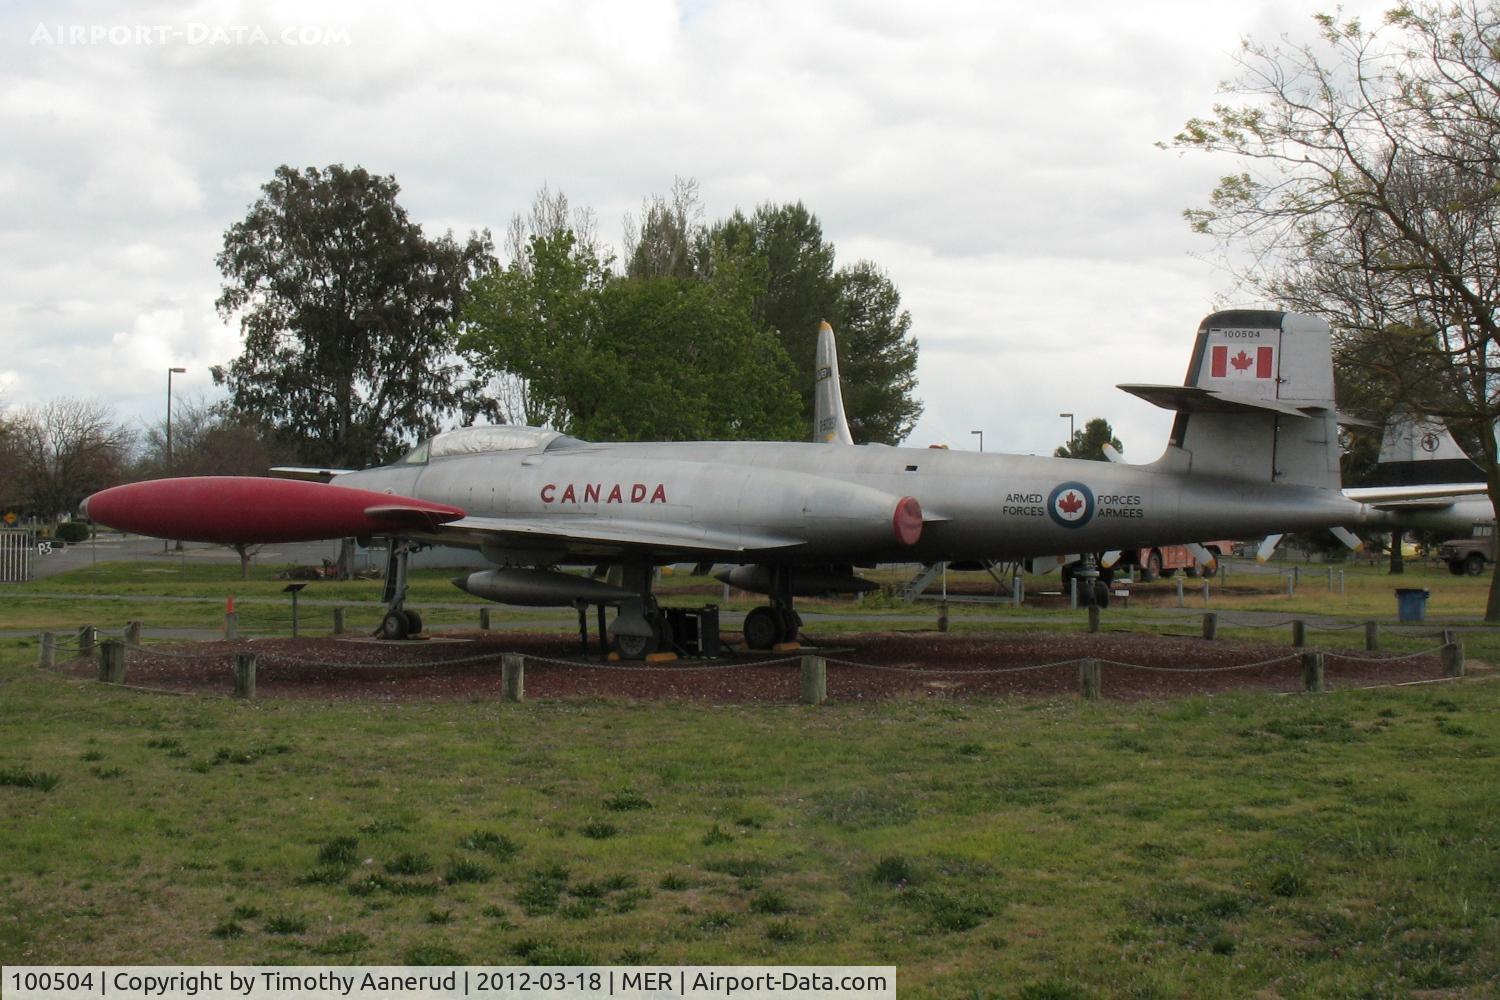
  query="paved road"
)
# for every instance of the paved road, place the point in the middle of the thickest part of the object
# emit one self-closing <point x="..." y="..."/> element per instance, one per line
<point x="118" y="548"/>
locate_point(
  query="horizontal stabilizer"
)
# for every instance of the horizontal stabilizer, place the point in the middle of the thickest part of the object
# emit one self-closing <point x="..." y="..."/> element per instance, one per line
<point x="1382" y="495"/>
<point x="1193" y="399"/>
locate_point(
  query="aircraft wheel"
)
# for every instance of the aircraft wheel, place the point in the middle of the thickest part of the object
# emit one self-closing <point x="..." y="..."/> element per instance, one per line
<point x="413" y="623"/>
<point x="394" y="625"/>
<point x="762" y="628"/>
<point x="635" y="647"/>
<point x="1474" y="564"/>
<point x="1101" y="593"/>
<point x="790" y="623"/>
<point x="1210" y="571"/>
<point x="1152" y="569"/>
<point x="1456" y="567"/>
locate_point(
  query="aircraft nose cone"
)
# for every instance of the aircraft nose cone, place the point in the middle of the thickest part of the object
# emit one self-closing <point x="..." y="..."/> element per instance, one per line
<point x="462" y="583"/>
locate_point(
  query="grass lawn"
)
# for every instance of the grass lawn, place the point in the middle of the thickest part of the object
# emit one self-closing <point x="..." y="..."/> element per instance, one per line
<point x="1311" y="846"/>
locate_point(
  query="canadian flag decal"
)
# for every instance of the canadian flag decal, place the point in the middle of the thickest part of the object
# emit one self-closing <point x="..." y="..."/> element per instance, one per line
<point x="1227" y="362"/>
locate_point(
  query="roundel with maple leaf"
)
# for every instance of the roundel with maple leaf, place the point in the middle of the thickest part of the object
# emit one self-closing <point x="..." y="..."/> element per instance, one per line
<point x="1071" y="505"/>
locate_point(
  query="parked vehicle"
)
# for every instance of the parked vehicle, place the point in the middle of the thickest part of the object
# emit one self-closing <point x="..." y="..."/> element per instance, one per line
<point x="1470" y="555"/>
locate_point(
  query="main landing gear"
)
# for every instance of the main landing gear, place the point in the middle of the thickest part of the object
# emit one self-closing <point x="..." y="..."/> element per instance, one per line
<point x="642" y="628"/>
<point x="398" y="623"/>
<point x="772" y="624"/>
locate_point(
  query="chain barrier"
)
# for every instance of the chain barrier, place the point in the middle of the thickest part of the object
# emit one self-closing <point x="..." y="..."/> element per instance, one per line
<point x="952" y="673"/>
<point x="1434" y="651"/>
<point x="1290" y="658"/>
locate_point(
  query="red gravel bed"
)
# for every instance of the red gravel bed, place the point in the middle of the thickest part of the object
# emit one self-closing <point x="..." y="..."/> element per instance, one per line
<point x="864" y="666"/>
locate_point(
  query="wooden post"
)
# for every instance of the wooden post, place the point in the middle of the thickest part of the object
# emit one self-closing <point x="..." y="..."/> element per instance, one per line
<point x="1210" y="625"/>
<point x="1291" y="585"/>
<point x="338" y="621"/>
<point x="1205" y="593"/>
<point x="112" y="661"/>
<point x="484" y="619"/>
<point x="1312" y="672"/>
<point x="1088" y="679"/>
<point x="513" y="676"/>
<point x="47" y="651"/>
<point x="1453" y="659"/>
<point x="88" y="638"/>
<point x="943" y="617"/>
<point x="244" y="675"/>
<point x="1299" y="632"/>
<point x="814" y="680"/>
<point x="1181" y="602"/>
<point x="1093" y="617"/>
<point x="231" y="624"/>
<point x="1372" y="636"/>
<point x="1017" y="591"/>
<point x="133" y="634"/>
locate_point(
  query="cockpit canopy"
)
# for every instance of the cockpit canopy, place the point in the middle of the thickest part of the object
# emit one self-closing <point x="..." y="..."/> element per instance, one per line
<point x="485" y="439"/>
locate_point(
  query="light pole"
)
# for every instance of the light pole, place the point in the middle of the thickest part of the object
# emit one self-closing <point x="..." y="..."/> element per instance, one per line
<point x="170" y="373"/>
<point x="1070" y="430"/>
<point x="981" y="439"/>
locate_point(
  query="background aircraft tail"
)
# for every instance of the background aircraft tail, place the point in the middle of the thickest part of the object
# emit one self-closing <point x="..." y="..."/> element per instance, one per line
<point x="1257" y="404"/>
<point x="1419" y="451"/>
<point x="829" y="422"/>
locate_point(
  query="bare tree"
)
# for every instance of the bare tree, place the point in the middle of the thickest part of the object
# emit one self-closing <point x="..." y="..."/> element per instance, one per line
<point x="1369" y="194"/>
<point x="64" y="450"/>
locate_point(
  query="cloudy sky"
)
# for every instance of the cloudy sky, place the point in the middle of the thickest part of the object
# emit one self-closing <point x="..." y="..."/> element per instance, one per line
<point x="997" y="161"/>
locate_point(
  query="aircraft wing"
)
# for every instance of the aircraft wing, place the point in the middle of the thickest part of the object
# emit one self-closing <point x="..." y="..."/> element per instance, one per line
<point x="597" y="535"/>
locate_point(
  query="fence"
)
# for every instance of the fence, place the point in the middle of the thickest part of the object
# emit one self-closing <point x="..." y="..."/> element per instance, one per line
<point x="17" y="549"/>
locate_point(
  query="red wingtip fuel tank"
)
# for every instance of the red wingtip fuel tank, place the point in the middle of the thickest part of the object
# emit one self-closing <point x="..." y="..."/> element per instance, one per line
<point x="230" y="510"/>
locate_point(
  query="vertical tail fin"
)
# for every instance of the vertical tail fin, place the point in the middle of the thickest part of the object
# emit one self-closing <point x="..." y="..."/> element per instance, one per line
<point x="829" y="423"/>
<point x="1420" y="451"/>
<point x="1257" y="404"/>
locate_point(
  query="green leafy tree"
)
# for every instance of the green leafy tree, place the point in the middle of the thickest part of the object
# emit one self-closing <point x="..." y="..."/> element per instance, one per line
<point x="538" y="324"/>
<point x="348" y="314"/>
<point x="608" y="357"/>
<point x="799" y="286"/>
<point x="1371" y="194"/>
<point x="1089" y="442"/>
<point x="878" y="355"/>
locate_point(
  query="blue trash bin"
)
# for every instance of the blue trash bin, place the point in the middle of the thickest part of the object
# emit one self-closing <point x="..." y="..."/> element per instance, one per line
<point x="1411" y="604"/>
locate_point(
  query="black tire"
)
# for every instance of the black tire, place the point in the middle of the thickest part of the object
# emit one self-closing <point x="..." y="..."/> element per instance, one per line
<point x="1192" y="571"/>
<point x="1473" y="564"/>
<point x="762" y="628"/>
<point x="1101" y="593"/>
<point x="791" y="623"/>
<point x="1212" y="569"/>
<point x="394" y="625"/>
<point x="413" y="623"/>
<point x="1167" y="574"/>
<point x="1456" y="567"/>
<point x="635" y="647"/>
<point x="1152" y="569"/>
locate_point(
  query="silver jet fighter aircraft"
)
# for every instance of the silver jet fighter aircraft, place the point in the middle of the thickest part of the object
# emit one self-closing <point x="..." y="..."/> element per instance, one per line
<point x="1254" y="449"/>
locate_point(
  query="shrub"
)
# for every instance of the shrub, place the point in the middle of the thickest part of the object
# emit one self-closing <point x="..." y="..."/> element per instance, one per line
<point x="72" y="532"/>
